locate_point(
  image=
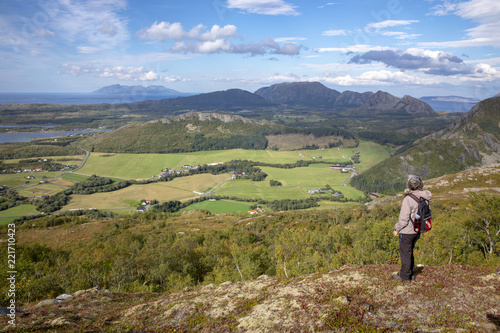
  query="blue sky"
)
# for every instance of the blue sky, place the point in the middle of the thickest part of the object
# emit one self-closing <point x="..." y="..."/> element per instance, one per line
<point x="418" y="47"/>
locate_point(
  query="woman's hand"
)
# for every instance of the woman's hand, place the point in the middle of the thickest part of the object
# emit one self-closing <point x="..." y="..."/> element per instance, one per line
<point x="395" y="233"/>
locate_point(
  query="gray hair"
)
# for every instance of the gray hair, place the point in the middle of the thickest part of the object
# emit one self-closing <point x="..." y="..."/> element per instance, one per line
<point x="415" y="183"/>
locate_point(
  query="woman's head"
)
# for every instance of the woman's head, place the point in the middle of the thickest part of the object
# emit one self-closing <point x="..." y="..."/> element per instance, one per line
<point x="415" y="183"/>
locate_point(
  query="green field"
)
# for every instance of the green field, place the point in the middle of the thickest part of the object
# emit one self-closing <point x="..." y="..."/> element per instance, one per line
<point x="177" y="189"/>
<point x="40" y="190"/>
<point x="13" y="180"/>
<point x="74" y="177"/>
<point x="221" y="207"/>
<point x="9" y="215"/>
<point x="143" y="166"/>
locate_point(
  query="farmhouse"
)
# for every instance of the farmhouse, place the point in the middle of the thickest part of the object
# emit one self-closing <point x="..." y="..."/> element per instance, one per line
<point x="237" y="174"/>
<point x="341" y="167"/>
<point x="314" y="191"/>
<point x="337" y="195"/>
<point x="373" y="195"/>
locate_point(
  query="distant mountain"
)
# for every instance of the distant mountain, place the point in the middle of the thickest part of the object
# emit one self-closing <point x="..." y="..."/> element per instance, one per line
<point x="232" y="99"/>
<point x="118" y="89"/>
<point x="315" y="94"/>
<point x="300" y="93"/>
<point x="383" y="102"/>
<point x="471" y="141"/>
<point x="450" y="103"/>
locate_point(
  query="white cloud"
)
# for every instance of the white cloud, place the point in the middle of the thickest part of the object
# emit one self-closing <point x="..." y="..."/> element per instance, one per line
<point x="443" y="9"/>
<point x="175" y="31"/>
<point x="484" y="12"/>
<point x="94" y="24"/>
<point x="215" y="40"/>
<point x="354" y="48"/>
<point x="399" y="34"/>
<point x="88" y="49"/>
<point x="390" y="23"/>
<point x="336" y="33"/>
<point x="379" y="26"/>
<point x="265" y="7"/>
<point x="289" y="39"/>
<point x="329" y="4"/>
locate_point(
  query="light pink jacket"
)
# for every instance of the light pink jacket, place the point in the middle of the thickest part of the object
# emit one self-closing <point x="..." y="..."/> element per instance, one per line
<point x="409" y="206"/>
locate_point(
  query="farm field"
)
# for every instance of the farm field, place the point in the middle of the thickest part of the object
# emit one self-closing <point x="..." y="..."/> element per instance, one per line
<point x="13" y="180"/>
<point x="261" y="190"/>
<point x="221" y="207"/>
<point x="40" y="190"/>
<point x="179" y="188"/>
<point x="74" y="177"/>
<point x="143" y="166"/>
<point x="314" y="175"/>
<point x="9" y="215"/>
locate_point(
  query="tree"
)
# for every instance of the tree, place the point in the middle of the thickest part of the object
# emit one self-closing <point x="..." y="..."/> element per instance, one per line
<point x="483" y="223"/>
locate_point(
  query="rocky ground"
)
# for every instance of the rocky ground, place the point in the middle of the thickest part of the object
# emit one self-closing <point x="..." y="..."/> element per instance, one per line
<point x="351" y="299"/>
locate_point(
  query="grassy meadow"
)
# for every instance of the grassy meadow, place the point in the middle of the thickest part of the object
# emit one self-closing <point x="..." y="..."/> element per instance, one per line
<point x="143" y="166"/>
<point x="9" y="215"/>
<point x="40" y="190"/>
<point x="221" y="207"/>
<point x="18" y="179"/>
<point x="177" y="189"/>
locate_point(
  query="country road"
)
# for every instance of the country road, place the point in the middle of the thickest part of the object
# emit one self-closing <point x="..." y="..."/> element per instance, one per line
<point x="25" y="186"/>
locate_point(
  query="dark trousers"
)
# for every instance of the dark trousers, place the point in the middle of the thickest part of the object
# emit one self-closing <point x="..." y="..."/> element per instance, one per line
<point x="406" y="246"/>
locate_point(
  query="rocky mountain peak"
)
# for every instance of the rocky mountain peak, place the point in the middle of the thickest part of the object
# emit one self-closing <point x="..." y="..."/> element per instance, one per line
<point x="204" y="116"/>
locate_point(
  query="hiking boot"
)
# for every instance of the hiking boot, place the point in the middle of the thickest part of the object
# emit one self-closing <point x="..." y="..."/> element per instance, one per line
<point x="398" y="278"/>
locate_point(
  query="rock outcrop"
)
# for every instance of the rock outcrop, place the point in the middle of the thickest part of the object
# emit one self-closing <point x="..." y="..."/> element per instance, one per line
<point x="356" y="299"/>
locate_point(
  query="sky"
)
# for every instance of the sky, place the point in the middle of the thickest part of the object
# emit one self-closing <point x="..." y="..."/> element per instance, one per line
<point x="405" y="47"/>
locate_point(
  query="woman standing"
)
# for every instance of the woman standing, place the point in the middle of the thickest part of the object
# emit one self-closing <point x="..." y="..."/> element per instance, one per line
<point x="404" y="227"/>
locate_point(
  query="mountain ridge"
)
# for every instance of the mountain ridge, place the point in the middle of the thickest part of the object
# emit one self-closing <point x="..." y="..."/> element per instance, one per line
<point x="315" y="94"/>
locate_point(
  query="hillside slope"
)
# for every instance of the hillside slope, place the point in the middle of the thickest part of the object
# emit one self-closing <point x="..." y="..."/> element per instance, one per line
<point x="192" y="131"/>
<point x="356" y="299"/>
<point x="472" y="141"/>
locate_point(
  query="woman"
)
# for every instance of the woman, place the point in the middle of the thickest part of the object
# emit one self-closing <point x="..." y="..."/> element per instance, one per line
<point x="404" y="227"/>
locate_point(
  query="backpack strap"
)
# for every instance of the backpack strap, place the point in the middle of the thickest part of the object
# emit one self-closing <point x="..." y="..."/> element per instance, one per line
<point x="411" y="195"/>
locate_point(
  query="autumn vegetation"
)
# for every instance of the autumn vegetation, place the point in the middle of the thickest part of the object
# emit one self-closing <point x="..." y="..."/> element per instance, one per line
<point x="162" y="252"/>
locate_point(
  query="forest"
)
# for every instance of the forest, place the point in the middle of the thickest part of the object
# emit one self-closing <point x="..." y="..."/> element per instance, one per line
<point x="160" y="252"/>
